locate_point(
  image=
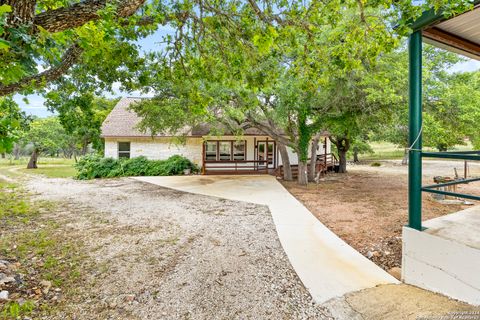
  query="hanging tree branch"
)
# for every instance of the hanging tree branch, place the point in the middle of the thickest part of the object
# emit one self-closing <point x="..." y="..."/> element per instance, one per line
<point x="69" y="58"/>
<point x="57" y="20"/>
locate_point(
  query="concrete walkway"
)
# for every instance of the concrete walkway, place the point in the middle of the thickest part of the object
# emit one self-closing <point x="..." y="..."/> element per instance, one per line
<point x="327" y="266"/>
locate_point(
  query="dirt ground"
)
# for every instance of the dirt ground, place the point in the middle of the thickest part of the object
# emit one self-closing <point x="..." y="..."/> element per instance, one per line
<point x="164" y="254"/>
<point x="367" y="207"/>
<point x="156" y="253"/>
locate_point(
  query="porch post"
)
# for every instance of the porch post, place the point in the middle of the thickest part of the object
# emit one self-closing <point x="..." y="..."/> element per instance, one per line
<point x="325" y="153"/>
<point x="415" y="132"/>
<point x="203" y="158"/>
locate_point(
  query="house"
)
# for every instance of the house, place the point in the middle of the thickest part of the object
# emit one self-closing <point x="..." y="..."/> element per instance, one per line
<point x="253" y="152"/>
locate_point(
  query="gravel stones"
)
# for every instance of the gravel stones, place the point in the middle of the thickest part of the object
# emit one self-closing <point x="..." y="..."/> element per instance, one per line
<point x="177" y="255"/>
<point x="4" y="295"/>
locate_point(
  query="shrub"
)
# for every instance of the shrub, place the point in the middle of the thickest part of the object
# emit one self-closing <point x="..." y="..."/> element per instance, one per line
<point x="375" y="164"/>
<point x="176" y="164"/>
<point x="94" y="166"/>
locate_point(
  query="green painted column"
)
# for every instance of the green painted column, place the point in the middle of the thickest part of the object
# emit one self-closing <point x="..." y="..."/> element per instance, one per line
<point x="415" y="134"/>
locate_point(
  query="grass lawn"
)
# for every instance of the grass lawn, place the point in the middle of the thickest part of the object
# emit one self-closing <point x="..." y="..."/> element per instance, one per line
<point x="382" y="151"/>
<point x="386" y="150"/>
<point x="49" y="167"/>
<point x="41" y="160"/>
<point x="53" y="171"/>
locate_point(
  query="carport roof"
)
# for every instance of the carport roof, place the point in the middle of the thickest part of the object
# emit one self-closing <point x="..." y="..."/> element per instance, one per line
<point x="459" y="34"/>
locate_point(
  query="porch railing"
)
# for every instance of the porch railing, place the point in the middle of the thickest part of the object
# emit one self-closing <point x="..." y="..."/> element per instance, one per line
<point x="324" y="163"/>
<point x="328" y="159"/>
<point x="235" y="166"/>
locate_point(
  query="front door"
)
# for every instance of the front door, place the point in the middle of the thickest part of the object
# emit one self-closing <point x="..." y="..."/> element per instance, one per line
<point x="266" y="154"/>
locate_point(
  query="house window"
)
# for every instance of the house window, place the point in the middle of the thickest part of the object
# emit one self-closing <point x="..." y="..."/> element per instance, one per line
<point x="211" y="150"/>
<point x="225" y="150"/>
<point x="239" y="150"/>
<point x="124" y="150"/>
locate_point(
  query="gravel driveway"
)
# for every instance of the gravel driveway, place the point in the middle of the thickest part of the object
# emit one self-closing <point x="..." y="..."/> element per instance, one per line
<point x="165" y="254"/>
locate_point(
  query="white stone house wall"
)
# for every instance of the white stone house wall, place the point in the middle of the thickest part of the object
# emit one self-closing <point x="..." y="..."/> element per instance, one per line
<point x="159" y="148"/>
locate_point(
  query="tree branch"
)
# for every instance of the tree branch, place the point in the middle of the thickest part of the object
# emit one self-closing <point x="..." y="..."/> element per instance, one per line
<point x="59" y="20"/>
<point x="80" y="13"/>
<point x="69" y="58"/>
<point x="22" y="13"/>
<point x="268" y="131"/>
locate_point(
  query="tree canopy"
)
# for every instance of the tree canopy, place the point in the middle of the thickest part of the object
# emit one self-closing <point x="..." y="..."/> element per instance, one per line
<point x="12" y="123"/>
<point x="269" y="64"/>
<point x="263" y="65"/>
<point x="80" y="113"/>
<point x="41" y="40"/>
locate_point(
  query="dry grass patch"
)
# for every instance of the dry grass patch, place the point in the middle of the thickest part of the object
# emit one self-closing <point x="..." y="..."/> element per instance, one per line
<point x="40" y="263"/>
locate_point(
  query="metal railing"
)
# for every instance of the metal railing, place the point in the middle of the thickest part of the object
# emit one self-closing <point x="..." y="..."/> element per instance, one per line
<point x="235" y="166"/>
<point x="457" y="155"/>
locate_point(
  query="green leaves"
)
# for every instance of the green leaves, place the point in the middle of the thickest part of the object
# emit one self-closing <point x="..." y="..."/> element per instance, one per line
<point x="5" y="8"/>
<point x="106" y="37"/>
<point x="12" y="123"/>
<point x="4" y="44"/>
<point x="265" y="40"/>
<point x="80" y="113"/>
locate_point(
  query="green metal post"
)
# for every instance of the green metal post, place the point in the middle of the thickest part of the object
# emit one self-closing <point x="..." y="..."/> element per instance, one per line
<point x="415" y="132"/>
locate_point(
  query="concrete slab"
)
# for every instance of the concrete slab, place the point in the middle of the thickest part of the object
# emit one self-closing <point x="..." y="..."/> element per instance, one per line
<point x="445" y="258"/>
<point x="327" y="266"/>
<point x="395" y="302"/>
<point x="462" y="227"/>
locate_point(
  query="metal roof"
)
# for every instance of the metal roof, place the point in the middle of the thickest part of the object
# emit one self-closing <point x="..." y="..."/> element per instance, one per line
<point x="460" y="34"/>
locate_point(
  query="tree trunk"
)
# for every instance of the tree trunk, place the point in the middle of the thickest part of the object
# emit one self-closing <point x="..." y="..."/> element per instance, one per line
<point x="3" y="155"/>
<point x="312" y="172"/>
<point x="405" y="158"/>
<point x="32" y="164"/>
<point x="355" y="155"/>
<point x="16" y="152"/>
<point x="302" y="173"/>
<point x="342" y="159"/>
<point x="343" y="145"/>
<point x="84" y="148"/>
<point x="287" y="169"/>
<point x="442" y="148"/>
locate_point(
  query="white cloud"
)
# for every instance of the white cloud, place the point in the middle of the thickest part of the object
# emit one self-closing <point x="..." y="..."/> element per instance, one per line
<point x="469" y="65"/>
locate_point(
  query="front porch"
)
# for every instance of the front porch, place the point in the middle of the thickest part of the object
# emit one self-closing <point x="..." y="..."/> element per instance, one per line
<point x="250" y="155"/>
<point x="255" y="155"/>
<point x="443" y="254"/>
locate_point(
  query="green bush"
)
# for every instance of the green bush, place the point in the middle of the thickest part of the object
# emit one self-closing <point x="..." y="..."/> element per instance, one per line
<point x="375" y="164"/>
<point x="94" y="166"/>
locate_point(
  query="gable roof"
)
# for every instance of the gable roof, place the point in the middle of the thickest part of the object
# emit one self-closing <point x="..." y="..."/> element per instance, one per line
<point x="123" y="122"/>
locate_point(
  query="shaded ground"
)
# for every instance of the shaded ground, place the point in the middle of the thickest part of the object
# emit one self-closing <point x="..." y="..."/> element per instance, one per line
<point x="162" y="254"/>
<point x="367" y="207"/>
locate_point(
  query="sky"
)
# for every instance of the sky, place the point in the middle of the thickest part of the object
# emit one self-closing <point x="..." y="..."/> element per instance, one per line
<point x="35" y="102"/>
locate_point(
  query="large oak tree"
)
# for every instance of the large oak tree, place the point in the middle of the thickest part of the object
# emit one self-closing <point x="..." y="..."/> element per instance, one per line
<point x="41" y="40"/>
